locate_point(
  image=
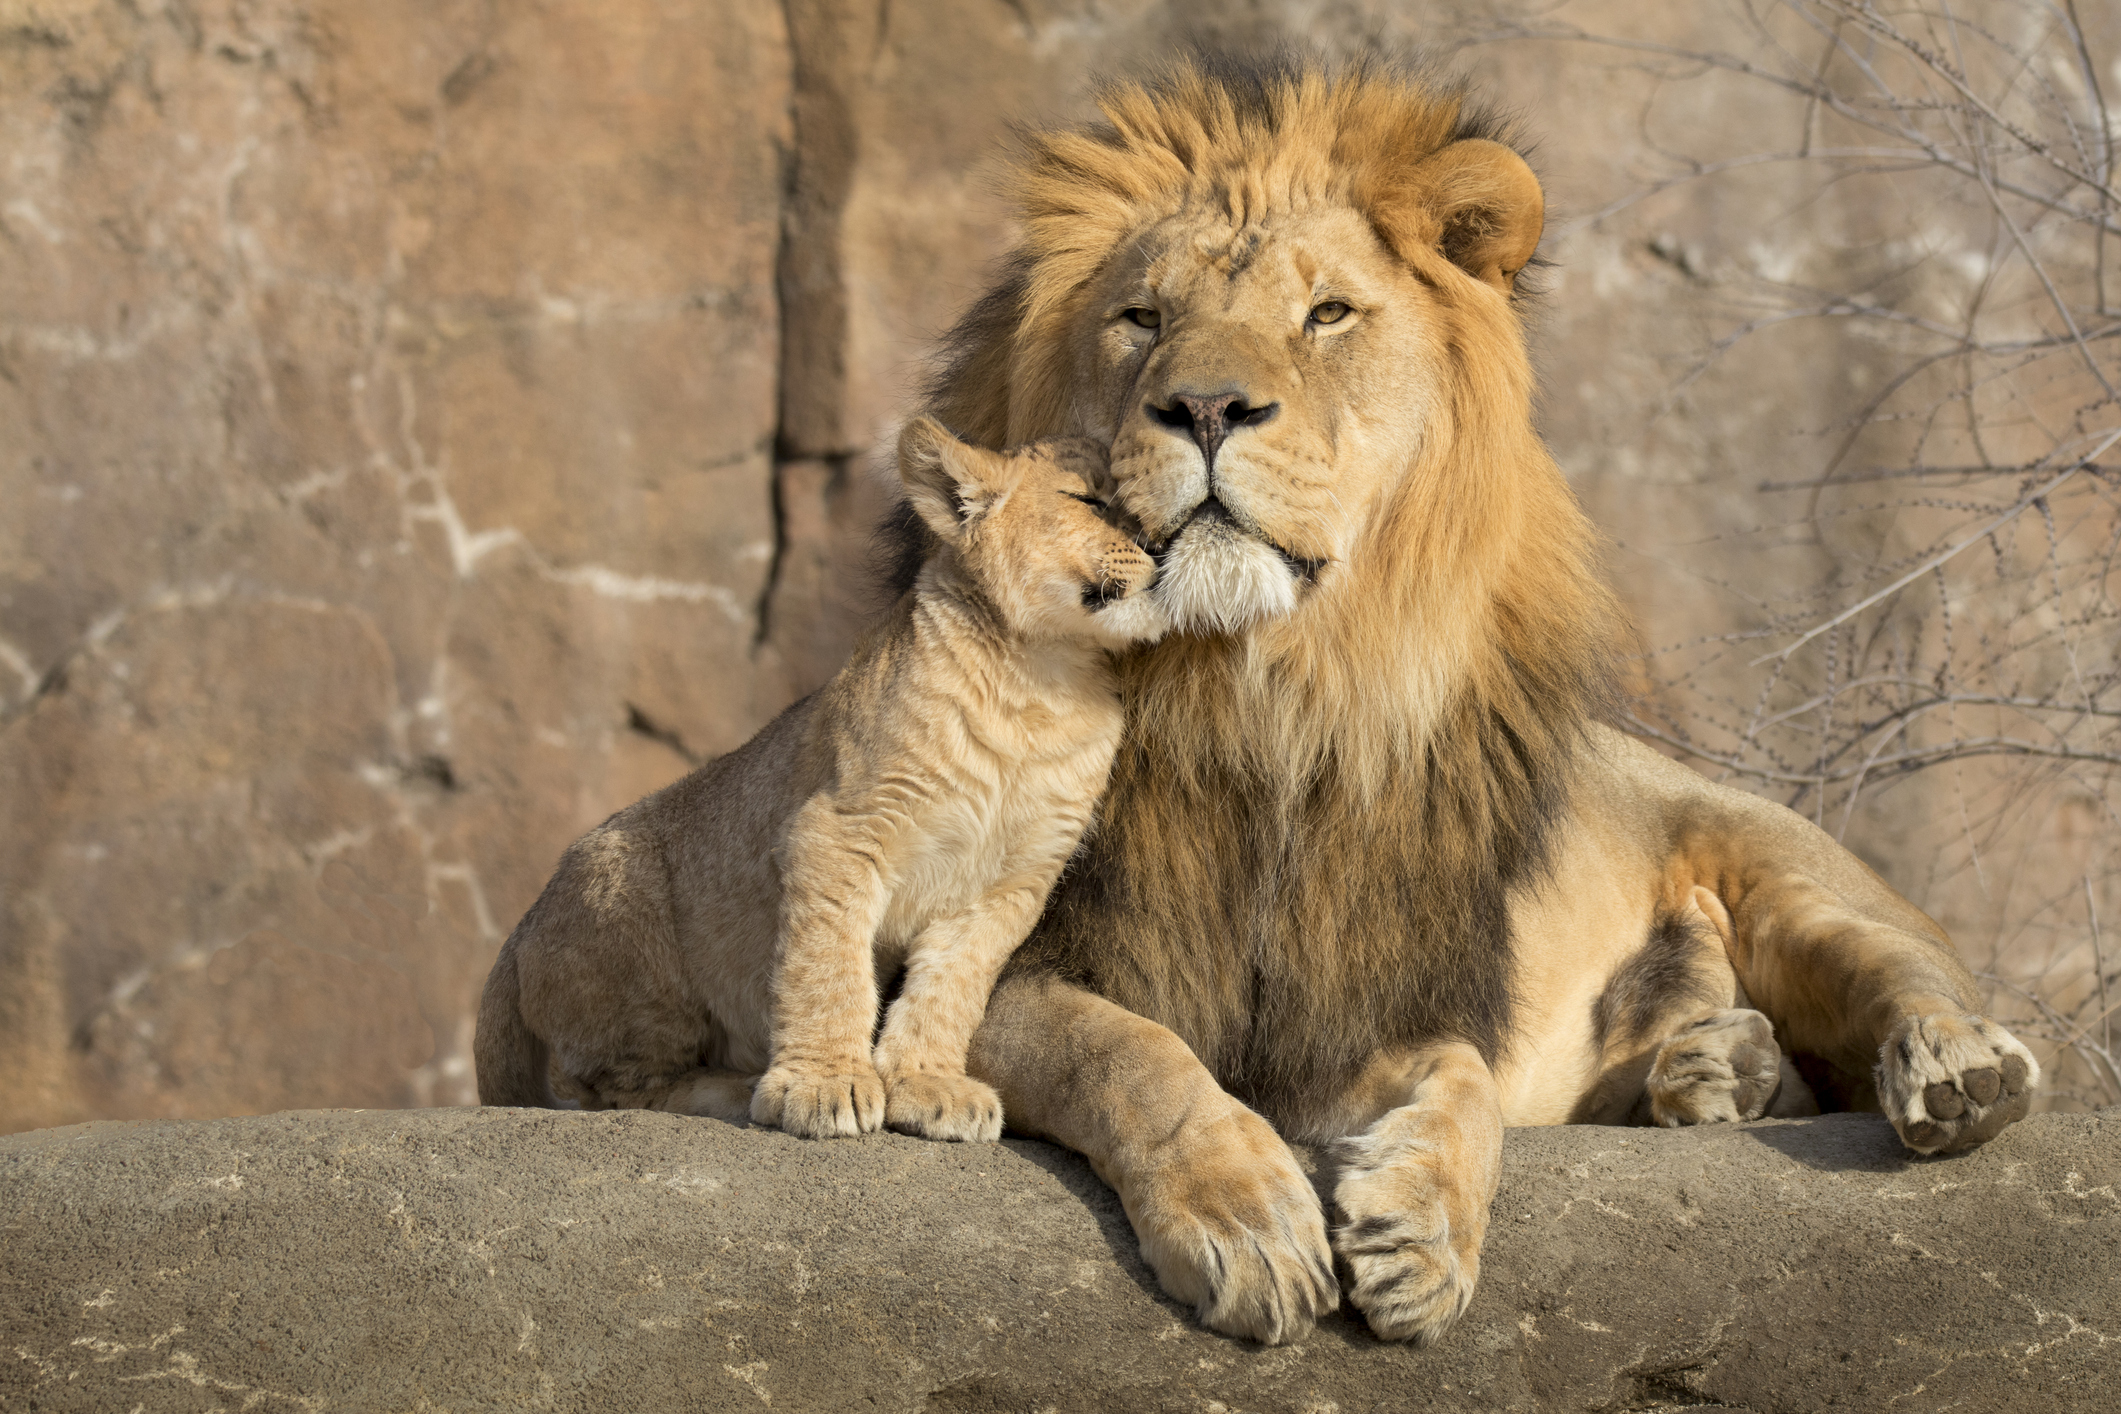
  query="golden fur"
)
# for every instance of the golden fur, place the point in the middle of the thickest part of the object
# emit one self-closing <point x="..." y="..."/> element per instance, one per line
<point x="1370" y="867"/>
<point x="914" y="811"/>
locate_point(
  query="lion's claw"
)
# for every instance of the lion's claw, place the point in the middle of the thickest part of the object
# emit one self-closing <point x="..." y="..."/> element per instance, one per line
<point x="820" y="1103"/>
<point x="1951" y="1082"/>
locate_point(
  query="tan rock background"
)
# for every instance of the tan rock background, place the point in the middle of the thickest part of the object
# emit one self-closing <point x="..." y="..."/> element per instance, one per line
<point x="427" y="427"/>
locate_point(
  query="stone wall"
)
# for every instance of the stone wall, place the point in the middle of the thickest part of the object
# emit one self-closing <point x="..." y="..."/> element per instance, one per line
<point x="430" y="426"/>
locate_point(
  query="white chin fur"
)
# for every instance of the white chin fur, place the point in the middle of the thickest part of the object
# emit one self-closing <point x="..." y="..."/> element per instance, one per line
<point x="1217" y="580"/>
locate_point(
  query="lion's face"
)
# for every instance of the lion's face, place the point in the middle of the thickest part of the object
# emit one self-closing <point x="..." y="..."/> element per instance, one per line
<point x="1288" y="307"/>
<point x="1262" y="387"/>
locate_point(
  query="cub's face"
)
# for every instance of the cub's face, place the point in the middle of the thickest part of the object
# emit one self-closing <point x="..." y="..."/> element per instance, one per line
<point x="1059" y="557"/>
<point x="1262" y="388"/>
<point x="1035" y="532"/>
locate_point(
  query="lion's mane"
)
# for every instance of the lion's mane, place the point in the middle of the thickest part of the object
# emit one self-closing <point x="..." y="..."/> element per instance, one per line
<point x="1311" y="830"/>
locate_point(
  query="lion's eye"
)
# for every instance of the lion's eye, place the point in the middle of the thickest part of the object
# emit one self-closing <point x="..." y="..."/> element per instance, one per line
<point x="1144" y="317"/>
<point x="1331" y="312"/>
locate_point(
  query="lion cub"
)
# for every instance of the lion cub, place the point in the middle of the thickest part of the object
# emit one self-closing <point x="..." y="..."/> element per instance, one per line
<point x="915" y="811"/>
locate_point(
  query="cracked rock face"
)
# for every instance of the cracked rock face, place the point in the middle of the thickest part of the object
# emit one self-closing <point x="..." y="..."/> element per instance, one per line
<point x="472" y="1259"/>
<point x="390" y="393"/>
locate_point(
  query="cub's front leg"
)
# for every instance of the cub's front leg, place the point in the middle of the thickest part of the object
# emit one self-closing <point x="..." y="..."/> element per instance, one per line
<point x="822" y="1083"/>
<point x="1225" y="1217"/>
<point x="1411" y="1195"/>
<point x="950" y="971"/>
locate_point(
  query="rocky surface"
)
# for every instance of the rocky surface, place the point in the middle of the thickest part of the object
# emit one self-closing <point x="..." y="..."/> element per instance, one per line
<point x="478" y="1259"/>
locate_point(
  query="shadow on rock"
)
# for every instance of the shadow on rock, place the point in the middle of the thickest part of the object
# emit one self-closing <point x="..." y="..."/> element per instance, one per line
<point x="1836" y="1143"/>
<point x="1075" y="1175"/>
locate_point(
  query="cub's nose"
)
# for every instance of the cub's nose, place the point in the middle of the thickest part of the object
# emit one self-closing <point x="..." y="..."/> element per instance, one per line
<point x="1210" y="418"/>
<point x="1118" y="576"/>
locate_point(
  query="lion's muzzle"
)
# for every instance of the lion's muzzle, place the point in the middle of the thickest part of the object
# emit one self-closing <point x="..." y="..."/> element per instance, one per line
<point x="1218" y="576"/>
<point x="1211" y="512"/>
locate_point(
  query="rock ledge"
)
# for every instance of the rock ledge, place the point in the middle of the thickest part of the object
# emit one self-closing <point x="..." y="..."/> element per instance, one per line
<point x="479" y="1259"/>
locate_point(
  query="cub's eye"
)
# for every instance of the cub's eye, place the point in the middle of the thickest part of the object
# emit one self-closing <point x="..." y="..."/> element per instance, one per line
<point x="1331" y="312"/>
<point x="1144" y="317"/>
<point x="1091" y="501"/>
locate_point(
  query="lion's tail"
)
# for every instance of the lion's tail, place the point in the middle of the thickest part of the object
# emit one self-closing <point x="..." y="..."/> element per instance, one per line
<point x="511" y="1058"/>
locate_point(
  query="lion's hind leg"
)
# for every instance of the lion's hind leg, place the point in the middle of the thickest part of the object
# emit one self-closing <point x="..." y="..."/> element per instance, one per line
<point x="1862" y="980"/>
<point x="714" y="1094"/>
<point x="1681" y="1043"/>
<point x="1411" y="1195"/>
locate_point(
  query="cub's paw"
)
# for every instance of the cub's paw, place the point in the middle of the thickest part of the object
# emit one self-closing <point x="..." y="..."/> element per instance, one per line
<point x="820" y="1104"/>
<point x="1411" y="1271"/>
<point x="1951" y="1082"/>
<point x="1229" y="1223"/>
<point x="1726" y="1066"/>
<point x="937" y="1106"/>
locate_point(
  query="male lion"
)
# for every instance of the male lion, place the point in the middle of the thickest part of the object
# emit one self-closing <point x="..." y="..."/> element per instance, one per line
<point x="1372" y="868"/>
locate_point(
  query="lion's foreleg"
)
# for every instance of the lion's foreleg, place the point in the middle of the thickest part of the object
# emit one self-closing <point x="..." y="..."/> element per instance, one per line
<point x="1225" y="1217"/>
<point x="1869" y="996"/>
<point x="821" y="1081"/>
<point x="950" y="971"/>
<point x="1412" y="1192"/>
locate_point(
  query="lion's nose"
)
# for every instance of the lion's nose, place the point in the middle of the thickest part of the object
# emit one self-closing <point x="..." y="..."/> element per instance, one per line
<point x="1211" y="418"/>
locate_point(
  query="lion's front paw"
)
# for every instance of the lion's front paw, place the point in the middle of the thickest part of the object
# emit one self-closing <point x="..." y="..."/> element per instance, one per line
<point x="1229" y="1223"/>
<point x="935" y="1106"/>
<point x="1951" y="1082"/>
<point x="820" y="1103"/>
<point x="1726" y="1066"/>
<point x="1411" y="1270"/>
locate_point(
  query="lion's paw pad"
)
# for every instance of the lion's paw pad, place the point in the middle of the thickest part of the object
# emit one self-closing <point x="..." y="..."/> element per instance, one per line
<point x="820" y="1103"/>
<point x="948" y="1107"/>
<point x="1951" y="1082"/>
<point x="1724" y="1067"/>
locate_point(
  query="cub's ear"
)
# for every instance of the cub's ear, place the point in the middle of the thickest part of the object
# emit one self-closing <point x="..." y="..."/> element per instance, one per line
<point x="949" y="483"/>
<point x="1476" y="201"/>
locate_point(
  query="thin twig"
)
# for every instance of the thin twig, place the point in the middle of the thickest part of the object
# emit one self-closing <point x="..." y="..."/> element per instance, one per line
<point x="2025" y="503"/>
<point x="2091" y="912"/>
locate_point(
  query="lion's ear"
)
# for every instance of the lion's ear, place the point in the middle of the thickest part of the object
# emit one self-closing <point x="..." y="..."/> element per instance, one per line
<point x="1477" y="202"/>
<point x="949" y="483"/>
